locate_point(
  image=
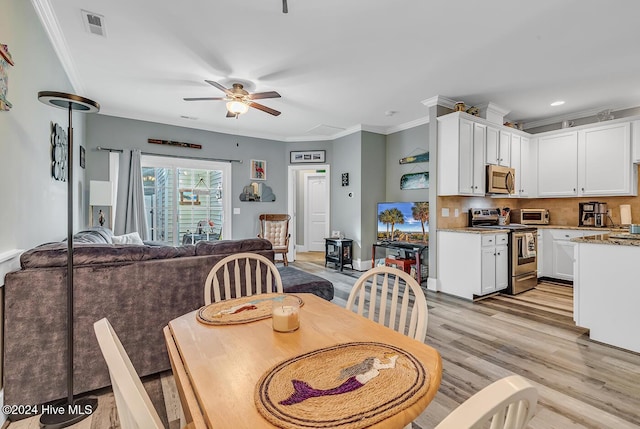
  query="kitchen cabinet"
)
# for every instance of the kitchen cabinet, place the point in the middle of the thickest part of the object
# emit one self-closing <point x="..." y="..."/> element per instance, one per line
<point x="604" y="161"/>
<point x="558" y="165"/>
<point x="461" y="164"/>
<point x="472" y="265"/>
<point x="498" y="146"/>
<point x="558" y="251"/>
<point x="590" y="161"/>
<point x="635" y="141"/>
<point x="540" y="253"/>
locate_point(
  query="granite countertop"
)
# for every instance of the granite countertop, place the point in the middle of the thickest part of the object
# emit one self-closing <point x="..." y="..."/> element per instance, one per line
<point x="613" y="228"/>
<point x="616" y="239"/>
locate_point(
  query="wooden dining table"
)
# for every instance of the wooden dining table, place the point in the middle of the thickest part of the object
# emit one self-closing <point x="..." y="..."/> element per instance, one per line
<point x="217" y="368"/>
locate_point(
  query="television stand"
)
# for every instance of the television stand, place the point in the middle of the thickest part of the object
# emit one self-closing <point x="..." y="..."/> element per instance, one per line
<point x="404" y="256"/>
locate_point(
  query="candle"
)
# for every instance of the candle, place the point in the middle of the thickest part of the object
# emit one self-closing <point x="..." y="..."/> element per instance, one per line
<point x="285" y="315"/>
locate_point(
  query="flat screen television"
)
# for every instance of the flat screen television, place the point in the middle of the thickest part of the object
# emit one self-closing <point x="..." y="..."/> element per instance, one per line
<point x="403" y="222"/>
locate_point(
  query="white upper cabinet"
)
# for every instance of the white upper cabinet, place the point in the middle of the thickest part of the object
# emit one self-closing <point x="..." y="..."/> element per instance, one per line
<point x="527" y="169"/>
<point x="604" y="160"/>
<point x="498" y="146"/>
<point x="591" y="161"/>
<point x="635" y="139"/>
<point x="558" y="165"/>
<point x="461" y="164"/>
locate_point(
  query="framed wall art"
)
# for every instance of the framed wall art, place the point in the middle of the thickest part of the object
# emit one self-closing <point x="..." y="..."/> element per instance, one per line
<point x="308" y="156"/>
<point x="258" y="169"/>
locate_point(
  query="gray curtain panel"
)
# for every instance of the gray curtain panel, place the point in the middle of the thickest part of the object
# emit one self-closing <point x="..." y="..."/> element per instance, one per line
<point x="136" y="220"/>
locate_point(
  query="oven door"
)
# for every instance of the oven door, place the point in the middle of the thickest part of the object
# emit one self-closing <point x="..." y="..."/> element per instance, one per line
<point x="524" y="252"/>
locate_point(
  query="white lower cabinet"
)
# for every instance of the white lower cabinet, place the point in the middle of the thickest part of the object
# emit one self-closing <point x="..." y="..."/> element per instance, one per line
<point x="471" y="265"/>
<point x="558" y="251"/>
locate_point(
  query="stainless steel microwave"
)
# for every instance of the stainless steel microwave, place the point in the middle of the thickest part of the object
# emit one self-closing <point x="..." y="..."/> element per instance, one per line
<point x="529" y="216"/>
<point x="500" y="180"/>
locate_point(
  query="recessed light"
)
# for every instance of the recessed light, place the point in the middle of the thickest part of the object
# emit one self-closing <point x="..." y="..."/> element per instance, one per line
<point x="557" y="103"/>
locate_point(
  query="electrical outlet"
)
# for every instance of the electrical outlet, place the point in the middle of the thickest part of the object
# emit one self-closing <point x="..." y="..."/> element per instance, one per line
<point x="456" y="213"/>
<point x="445" y="212"/>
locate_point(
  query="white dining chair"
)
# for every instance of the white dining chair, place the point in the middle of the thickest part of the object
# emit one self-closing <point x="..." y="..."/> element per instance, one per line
<point x="134" y="406"/>
<point x="249" y="273"/>
<point x="392" y="298"/>
<point x="508" y="403"/>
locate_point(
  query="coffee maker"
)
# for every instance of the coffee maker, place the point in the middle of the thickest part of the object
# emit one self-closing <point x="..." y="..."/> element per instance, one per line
<point x="593" y="213"/>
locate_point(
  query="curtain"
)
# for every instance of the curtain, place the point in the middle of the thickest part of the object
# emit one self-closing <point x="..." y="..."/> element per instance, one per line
<point x="135" y="219"/>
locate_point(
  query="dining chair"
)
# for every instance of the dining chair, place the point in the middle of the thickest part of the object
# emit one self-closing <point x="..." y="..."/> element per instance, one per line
<point x="392" y="298"/>
<point x="508" y="403"/>
<point x="275" y="228"/>
<point x="248" y="273"/>
<point x="134" y="406"/>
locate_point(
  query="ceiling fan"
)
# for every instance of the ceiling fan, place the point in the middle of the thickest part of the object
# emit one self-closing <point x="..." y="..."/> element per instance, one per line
<point x="239" y="100"/>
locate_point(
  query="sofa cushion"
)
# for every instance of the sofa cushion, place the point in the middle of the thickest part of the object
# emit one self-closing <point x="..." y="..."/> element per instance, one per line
<point x="55" y="254"/>
<point x="94" y="235"/>
<point x="231" y="246"/>
<point x="131" y="238"/>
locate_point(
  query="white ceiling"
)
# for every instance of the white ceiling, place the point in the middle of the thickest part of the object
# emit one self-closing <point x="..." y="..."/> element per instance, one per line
<point x="343" y="65"/>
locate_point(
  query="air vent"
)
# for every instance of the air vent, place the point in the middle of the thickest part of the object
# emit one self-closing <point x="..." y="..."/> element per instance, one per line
<point x="94" y="23"/>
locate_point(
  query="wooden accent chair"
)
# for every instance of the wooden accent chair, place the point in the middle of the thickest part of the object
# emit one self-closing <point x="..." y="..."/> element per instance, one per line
<point x="249" y="273"/>
<point x="508" y="403"/>
<point x="386" y="299"/>
<point x="275" y="228"/>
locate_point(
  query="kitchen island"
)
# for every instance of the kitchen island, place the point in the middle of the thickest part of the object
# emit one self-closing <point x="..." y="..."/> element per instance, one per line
<point x="606" y="288"/>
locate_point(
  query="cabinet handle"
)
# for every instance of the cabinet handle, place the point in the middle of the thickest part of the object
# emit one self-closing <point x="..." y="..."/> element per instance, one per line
<point x="574" y="189"/>
<point x="582" y="189"/>
<point x="498" y="253"/>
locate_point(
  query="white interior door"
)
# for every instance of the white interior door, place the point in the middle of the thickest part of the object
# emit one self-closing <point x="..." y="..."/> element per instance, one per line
<point x="315" y="222"/>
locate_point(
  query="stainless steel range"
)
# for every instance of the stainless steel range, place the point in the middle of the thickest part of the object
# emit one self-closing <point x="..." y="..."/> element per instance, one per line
<point x="522" y="248"/>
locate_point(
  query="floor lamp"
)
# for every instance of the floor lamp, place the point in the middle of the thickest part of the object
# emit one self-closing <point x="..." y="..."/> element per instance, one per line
<point x="74" y="410"/>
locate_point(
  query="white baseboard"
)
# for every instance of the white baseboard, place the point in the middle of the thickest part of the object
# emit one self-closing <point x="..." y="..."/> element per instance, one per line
<point x="432" y="284"/>
<point x="361" y="265"/>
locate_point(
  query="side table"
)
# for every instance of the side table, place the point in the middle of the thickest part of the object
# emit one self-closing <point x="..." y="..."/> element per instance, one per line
<point x="338" y="251"/>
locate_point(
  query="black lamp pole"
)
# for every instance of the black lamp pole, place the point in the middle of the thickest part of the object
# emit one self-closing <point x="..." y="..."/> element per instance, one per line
<point x="79" y="409"/>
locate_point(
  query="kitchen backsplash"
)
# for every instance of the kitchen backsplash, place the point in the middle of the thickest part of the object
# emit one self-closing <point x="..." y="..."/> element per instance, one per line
<point x="562" y="211"/>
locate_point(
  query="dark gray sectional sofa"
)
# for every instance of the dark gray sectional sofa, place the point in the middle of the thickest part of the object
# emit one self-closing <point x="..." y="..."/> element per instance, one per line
<point x="138" y="288"/>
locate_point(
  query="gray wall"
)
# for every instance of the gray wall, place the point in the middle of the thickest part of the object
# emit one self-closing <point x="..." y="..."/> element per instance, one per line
<point x="127" y="134"/>
<point x="374" y="178"/>
<point x="399" y="145"/>
<point x="34" y="206"/>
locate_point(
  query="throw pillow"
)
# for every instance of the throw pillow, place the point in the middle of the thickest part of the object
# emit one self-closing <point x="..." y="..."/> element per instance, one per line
<point x="131" y="238"/>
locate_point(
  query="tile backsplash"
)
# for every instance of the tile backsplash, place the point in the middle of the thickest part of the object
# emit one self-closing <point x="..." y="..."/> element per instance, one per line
<point x="562" y="211"/>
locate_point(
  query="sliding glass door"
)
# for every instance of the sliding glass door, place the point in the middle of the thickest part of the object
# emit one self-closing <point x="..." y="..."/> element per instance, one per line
<point x="187" y="200"/>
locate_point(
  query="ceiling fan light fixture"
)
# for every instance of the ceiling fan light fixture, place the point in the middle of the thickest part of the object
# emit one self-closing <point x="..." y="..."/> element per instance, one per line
<point x="237" y="107"/>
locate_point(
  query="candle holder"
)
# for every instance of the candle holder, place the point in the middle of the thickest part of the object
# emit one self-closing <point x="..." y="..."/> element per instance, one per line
<point x="285" y="314"/>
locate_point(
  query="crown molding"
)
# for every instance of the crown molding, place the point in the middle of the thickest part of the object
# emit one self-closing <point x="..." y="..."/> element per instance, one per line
<point x="52" y="28"/>
<point x="570" y="116"/>
<point x="439" y="100"/>
<point x="408" y="125"/>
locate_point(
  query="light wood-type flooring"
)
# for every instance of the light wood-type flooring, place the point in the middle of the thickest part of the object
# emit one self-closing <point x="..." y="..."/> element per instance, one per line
<point x="582" y="383"/>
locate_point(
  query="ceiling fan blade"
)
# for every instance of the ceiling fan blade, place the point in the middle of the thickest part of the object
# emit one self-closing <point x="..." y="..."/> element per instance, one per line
<point x="285" y="9"/>
<point x="220" y="87"/>
<point x="268" y="94"/>
<point x="231" y="115"/>
<point x="203" y="98"/>
<point x="264" y="108"/>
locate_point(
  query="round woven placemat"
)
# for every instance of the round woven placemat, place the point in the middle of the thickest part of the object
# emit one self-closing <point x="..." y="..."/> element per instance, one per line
<point x="391" y="391"/>
<point x="247" y="309"/>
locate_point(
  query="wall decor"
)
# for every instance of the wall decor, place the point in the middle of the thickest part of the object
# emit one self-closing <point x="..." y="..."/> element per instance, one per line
<point x="415" y="180"/>
<point x="421" y="157"/>
<point x="189" y="197"/>
<point x="310" y="156"/>
<point x="345" y="179"/>
<point x="5" y="62"/>
<point x="258" y="169"/>
<point x="83" y="157"/>
<point x="257" y="192"/>
<point x="58" y="153"/>
<point x="173" y="143"/>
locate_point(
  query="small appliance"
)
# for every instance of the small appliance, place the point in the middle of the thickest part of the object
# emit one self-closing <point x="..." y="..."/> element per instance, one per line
<point x="592" y="213"/>
<point x="500" y="179"/>
<point x="530" y="216"/>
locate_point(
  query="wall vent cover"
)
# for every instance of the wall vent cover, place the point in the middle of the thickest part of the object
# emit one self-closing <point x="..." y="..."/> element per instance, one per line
<point x="94" y="23"/>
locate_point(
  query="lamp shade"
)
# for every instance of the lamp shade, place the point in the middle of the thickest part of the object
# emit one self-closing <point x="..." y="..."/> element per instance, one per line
<point x="100" y="193"/>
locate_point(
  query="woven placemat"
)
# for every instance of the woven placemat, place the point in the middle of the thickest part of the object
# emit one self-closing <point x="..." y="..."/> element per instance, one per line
<point x="240" y="310"/>
<point x="330" y="391"/>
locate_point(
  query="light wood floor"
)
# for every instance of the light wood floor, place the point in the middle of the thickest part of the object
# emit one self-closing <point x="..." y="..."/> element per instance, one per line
<point x="582" y="384"/>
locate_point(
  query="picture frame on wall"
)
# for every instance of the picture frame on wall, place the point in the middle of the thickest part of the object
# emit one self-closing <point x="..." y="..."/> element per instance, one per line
<point x="258" y="169"/>
<point x="307" y="156"/>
